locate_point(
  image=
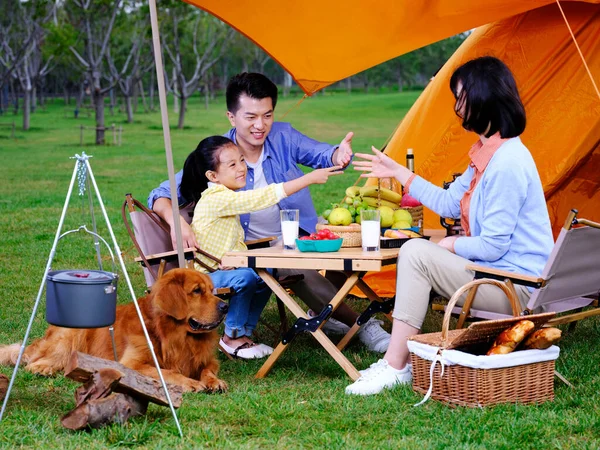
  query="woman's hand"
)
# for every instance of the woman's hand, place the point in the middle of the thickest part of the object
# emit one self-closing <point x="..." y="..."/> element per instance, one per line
<point x="380" y="165"/>
<point x="448" y="243"/>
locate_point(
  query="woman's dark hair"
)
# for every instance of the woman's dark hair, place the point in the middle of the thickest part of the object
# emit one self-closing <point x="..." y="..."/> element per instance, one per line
<point x="490" y="98"/>
<point x="254" y="85"/>
<point x="204" y="158"/>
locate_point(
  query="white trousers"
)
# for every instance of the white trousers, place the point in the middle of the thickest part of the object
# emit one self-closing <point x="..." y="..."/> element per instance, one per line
<point x="423" y="266"/>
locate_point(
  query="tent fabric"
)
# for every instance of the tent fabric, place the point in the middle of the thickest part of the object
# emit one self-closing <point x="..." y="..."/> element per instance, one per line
<point x="320" y="42"/>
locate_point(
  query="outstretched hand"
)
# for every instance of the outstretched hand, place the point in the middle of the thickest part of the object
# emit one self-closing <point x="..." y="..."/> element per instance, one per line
<point x="379" y="165"/>
<point x="343" y="155"/>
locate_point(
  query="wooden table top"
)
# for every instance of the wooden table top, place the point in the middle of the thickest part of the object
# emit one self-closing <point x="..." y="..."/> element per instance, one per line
<point x="349" y="259"/>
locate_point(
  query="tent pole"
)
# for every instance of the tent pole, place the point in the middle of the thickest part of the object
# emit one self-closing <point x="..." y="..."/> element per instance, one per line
<point x="162" y="95"/>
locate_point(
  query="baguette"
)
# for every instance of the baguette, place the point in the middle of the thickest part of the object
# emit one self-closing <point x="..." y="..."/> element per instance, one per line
<point x="542" y="339"/>
<point x="508" y="340"/>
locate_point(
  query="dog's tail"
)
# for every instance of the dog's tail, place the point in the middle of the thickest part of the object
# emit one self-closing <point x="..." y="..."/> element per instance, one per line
<point x="9" y="354"/>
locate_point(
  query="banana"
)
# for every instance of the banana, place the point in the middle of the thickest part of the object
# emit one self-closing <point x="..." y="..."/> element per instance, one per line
<point x="353" y="191"/>
<point x="384" y="193"/>
<point x="375" y="203"/>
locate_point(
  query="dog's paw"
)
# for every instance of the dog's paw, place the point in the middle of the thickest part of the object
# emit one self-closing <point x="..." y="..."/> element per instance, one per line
<point x="195" y="386"/>
<point x="216" y="385"/>
<point x="41" y="369"/>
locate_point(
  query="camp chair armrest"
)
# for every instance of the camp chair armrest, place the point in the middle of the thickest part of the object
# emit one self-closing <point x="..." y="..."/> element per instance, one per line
<point x="260" y="243"/>
<point x="166" y="256"/>
<point x="498" y="274"/>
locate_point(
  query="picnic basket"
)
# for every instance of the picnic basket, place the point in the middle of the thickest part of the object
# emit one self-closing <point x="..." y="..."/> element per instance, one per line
<point x="524" y="376"/>
<point x="350" y="234"/>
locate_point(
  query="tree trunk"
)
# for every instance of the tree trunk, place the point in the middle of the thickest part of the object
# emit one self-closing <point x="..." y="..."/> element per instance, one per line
<point x="349" y="85"/>
<point x="143" y="94"/>
<point x="175" y="90"/>
<point x="112" y="99"/>
<point x="99" y="105"/>
<point x="400" y="83"/>
<point x="152" y="91"/>
<point x="26" y="108"/>
<point x="135" y="100"/>
<point x="182" y="113"/>
<point x="33" y="104"/>
<point x="15" y="94"/>
<point x="128" y="109"/>
<point x="287" y="84"/>
<point x="206" y="95"/>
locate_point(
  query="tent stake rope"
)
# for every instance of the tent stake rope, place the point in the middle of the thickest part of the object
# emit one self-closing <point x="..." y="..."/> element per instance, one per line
<point x="578" y="49"/>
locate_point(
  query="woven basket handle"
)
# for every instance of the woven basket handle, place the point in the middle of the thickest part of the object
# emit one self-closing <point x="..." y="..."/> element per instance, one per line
<point x="452" y="302"/>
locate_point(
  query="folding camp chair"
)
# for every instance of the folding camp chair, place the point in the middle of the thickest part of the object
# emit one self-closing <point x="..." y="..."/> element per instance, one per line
<point x="569" y="282"/>
<point x="151" y="237"/>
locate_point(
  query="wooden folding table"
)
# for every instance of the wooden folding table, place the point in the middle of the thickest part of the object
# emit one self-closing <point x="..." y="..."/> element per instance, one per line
<point x="353" y="261"/>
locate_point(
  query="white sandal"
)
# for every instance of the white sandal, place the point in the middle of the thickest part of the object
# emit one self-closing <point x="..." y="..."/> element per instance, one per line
<point x="247" y="350"/>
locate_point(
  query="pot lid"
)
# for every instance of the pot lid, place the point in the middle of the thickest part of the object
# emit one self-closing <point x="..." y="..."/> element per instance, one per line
<point x="81" y="276"/>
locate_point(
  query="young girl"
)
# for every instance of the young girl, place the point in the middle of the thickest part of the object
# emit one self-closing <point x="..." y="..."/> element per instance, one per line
<point x="211" y="175"/>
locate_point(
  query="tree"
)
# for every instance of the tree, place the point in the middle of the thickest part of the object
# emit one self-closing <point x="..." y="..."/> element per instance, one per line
<point x="208" y="33"/>
<point x="130" y="55"/>
<point x="25" y="62"/>
<point x="96" y="19"/>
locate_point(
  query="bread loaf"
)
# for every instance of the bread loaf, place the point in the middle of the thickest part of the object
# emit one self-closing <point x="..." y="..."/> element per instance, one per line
<point x="508" y="340"/>
<point x="542" y="338"/>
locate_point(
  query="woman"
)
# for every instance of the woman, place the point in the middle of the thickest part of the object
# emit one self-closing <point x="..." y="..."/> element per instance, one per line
<point x="499" y="199"/>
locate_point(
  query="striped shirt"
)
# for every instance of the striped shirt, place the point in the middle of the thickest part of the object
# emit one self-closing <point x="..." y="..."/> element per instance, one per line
<point x="216" y="221"/>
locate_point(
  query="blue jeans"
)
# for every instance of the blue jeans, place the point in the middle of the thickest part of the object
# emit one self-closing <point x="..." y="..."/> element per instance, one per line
<point x="250" y="296"/>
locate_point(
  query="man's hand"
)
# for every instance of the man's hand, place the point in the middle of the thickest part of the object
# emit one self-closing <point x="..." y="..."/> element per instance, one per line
<point x="448" y="243"/>
<point x="343" y="155"/>
<point x="187" y="234"/>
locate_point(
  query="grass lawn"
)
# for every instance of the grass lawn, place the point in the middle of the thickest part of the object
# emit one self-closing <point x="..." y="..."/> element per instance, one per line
<point x="301" y="404"/>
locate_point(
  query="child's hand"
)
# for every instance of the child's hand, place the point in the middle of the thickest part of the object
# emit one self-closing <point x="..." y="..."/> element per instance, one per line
<point x="320" y="176"/>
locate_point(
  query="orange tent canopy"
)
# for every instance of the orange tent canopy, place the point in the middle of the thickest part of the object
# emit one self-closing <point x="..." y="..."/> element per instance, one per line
<point x="320" y="42"/>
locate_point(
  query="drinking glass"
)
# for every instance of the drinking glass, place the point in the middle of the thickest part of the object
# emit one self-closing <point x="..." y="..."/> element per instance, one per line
<point x="370" y="229"/>
<point x="290" y="224"/>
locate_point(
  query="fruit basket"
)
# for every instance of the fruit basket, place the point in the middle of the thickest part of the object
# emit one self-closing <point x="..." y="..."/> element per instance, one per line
<point x="350" y="234"/>
<point x="324" y="246"/>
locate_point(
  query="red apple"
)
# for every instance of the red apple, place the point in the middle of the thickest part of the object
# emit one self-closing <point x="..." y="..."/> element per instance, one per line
<point x="409" y="202"/>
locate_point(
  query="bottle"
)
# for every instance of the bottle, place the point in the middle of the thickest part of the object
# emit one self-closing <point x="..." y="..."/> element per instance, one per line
<point x="410" y="160"/>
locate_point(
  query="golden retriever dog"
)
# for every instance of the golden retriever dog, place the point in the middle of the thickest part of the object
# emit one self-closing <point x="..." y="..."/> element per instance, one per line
<point x="181" y="315"/>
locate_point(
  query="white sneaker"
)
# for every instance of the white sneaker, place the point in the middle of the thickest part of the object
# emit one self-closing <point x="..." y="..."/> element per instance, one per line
<point x="332" y="326"/>
<point x="377" y="364"/>
<point x="373" y="336"/>
<point x="379" y="377"/>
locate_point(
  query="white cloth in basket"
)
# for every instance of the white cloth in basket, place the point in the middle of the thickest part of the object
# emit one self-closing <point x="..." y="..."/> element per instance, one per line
<point x="456" y="357"/>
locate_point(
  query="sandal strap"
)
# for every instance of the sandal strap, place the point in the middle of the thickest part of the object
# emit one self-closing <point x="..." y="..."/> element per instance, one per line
<point x="242" y="347"/>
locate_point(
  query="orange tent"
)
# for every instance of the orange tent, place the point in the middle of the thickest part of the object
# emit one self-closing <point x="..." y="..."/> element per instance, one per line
<point x="322" y="42"/>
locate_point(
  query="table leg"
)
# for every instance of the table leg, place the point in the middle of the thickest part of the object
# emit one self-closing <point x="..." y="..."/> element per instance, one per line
<point x="336" y="354"/>
<point x="373" y="297"/>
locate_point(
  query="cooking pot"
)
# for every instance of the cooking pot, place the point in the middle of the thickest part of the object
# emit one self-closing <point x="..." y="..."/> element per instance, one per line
<point x="81" y="298"/>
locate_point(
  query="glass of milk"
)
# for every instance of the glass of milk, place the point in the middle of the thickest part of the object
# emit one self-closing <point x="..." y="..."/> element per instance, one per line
<point x="370" y="229"/>
<point x="290" y="224"/>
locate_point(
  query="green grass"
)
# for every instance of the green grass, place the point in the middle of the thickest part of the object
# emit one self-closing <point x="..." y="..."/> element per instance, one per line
<point x="301" y="404"/>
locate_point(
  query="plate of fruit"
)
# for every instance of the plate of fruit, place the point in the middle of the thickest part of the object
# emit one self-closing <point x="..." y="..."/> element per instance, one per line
<point x="322" y="241"/>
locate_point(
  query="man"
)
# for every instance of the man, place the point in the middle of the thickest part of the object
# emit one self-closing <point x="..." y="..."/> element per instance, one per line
<point x="272" y="151"/>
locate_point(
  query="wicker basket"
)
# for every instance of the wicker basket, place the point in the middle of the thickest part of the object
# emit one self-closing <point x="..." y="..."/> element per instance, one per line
<point x="350" y="234"/>
<point x="467" y="386"/>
